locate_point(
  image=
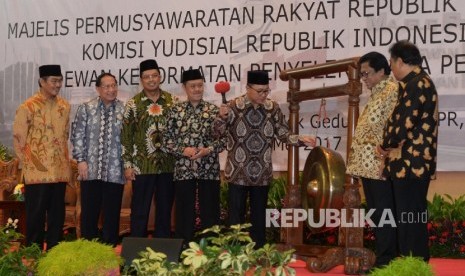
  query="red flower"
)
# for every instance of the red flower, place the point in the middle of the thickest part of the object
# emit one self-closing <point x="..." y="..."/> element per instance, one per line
<point x="462" y="248"/>
<point x="445" y="234"/>
<point x="430" y="226"/>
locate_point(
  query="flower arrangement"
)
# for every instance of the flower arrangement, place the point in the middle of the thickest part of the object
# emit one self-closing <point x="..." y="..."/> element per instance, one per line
<point x="224" y="251"/>
<point x="446" y="226"/>
<point x="14" y="258"/>
<point x="11" y="225"/>
<point x="18" y="192"/>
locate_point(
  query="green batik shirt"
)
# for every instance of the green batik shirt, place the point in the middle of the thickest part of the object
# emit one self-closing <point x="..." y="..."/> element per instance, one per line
<point x="143" y="124"/>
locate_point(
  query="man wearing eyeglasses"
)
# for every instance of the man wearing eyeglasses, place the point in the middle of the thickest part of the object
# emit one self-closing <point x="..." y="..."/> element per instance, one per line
<point x="363" y="162"/>
<point x="148" y="167"/>
<point x="95" y="135"/>
<point x="40" y="136"/>
<point x="251" y="123"/>
<point x="409" y="147"/>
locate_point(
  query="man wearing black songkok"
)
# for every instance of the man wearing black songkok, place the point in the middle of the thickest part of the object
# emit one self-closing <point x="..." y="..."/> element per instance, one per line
<point x="40" y="131"/>
<point x="146" y="165"/>
<point x="252" y="122"/>
<point x="197" y="170"/>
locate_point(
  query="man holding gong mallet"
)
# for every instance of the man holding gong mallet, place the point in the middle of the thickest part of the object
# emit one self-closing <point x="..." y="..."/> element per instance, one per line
<point x="251" y="123"/>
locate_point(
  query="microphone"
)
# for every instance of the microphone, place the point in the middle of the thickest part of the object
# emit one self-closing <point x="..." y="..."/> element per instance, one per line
<point x="223" y="87"/>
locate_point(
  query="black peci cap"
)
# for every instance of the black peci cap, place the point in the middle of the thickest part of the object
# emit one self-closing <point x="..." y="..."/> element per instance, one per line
<point x="193" y="74"/>
<point x="50" y="70"/>
<point x="148" y="64"/>
<point x="258" y="77"/>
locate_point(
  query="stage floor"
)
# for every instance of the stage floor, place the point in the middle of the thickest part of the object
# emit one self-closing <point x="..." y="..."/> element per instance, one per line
<point x="441" y="267"/>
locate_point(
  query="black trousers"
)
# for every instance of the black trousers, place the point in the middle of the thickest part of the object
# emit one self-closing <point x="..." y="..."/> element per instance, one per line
<point x="143" y="190"/>
<point x="380" y="196"/>
<point x="97" y="197"/>
<point x="411" y="214"/>
<point x="237" y="200"/>
<point x="208" y="192"/>
<point x="45" y="202"/>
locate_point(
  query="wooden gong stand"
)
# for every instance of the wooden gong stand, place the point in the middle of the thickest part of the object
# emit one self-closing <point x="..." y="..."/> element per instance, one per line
<point x="350" y="251"/>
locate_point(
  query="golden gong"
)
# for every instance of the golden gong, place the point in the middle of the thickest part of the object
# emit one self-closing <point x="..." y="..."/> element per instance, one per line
<point x="322" y="183"/>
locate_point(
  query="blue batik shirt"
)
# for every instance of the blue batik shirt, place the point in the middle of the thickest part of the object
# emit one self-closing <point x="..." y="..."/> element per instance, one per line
<point x="95" y="136"/>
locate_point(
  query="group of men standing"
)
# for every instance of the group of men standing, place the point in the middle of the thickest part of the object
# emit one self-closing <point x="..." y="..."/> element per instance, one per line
<point x="169" y="149"/>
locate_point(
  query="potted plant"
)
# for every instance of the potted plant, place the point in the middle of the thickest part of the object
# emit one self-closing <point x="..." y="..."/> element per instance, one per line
<point x="16" y="259"/>
<point x="224" y="251"/>
<point x="80" y="257"/>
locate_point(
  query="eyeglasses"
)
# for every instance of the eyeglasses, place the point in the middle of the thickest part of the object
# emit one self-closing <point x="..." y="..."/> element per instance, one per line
<point x="148" y="77"/>
<point x="260" y="92"/>
<point x="108" y="86"/>
<point x="365" y="74"/>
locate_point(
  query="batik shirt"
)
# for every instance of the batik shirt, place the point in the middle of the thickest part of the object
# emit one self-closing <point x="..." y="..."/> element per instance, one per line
<point x="95" y="136"/>
<point x="40" y="133"/>
<point x="143" y="124"/>
<point x="414" y="121"/>
<point x="190" y="126"/>
<point x="363" y="160"/>
<point x="251" y="133"/>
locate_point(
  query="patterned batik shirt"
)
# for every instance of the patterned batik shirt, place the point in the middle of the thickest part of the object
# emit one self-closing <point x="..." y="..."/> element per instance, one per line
<point x="143" y="124"/>
<point x="190" y="126"/>
<point x="414" y="121"/>
<point x="96" y="139"/>
<point x="40" y="133"/>
<point x="251" y="133"/>
<point x="363" y="160"/>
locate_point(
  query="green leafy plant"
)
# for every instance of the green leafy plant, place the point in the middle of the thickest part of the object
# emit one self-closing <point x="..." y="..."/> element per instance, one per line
<point x="446" y="208"/>
<point x="446" y="226"/>
<point x="276" y="193"/>
<point x="80" y="257"/>
<point x="405" y="266"/>
<point x="16" y="260"/>
<point x="224" y="251"/>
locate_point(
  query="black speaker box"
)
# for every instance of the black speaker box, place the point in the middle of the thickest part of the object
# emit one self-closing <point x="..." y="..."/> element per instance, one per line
<point x="131" y="246"/>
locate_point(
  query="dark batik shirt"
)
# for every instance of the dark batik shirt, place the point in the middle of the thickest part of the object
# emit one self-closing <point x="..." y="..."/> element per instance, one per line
<point x="414" y="121"/>
<point x="251" y="133"/>
<point x="189" y="126"/>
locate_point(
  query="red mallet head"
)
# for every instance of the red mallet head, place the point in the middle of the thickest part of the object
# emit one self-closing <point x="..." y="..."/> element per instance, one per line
<point x="223" y="87"/>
